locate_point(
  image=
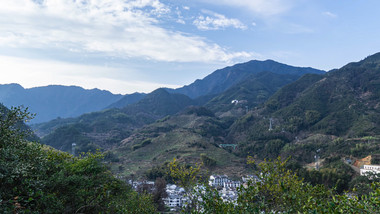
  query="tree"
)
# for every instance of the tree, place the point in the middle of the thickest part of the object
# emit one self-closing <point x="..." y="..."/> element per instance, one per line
<point x="159" y="193"/>
<point x="38" y="179"/>
<point x="186" y="177"/>
<point x="278" y="190"/>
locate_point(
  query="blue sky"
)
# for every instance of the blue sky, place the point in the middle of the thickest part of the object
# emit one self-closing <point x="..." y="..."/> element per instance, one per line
<point x="139" y="45"/>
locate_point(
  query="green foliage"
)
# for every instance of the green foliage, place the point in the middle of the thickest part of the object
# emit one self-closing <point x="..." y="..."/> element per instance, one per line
<point x="252" y="91"/>
<point x="64" y="136"/>
<point x="334" y="174"/>
<point x="273" y="147"/>
<point x="91" y="131"/>
<point x="207" y="161"/>
<point x="312" y="116"/>
<point x="278" y="190"/>
<point x="186" y="177"/>
<point x="142" y="144"/>
<point x="199" y="111"/>
<point x="159" y="193"/>
<point x="160" y="171"/>
<point x="38" y="179"/>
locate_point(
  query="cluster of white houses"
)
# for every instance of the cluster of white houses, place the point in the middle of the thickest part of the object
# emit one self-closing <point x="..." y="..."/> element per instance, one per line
<point x="227" y="190"/>
<point x="370" y="170"/>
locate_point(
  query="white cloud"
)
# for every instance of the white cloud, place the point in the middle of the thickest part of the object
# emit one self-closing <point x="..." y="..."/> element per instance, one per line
<point x="330" y="14"/>
<point x="111" y="27"/>
<point x="180" y="18"/>
<point x="181" y="21"/>
<point x="259" y="7"/>
<point x="32" y="73"/>
<point x="216" y="21"/>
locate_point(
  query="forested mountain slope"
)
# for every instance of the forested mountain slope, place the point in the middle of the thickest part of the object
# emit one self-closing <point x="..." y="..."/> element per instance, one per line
<point x="313" y="111"/>
<point x="222" y="79"/>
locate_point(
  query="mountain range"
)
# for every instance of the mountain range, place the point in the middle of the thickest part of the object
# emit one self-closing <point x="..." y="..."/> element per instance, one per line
<point x="295" y="113"/>
<point x="127" y="128"/>
<point x="222" y="79"/>
<point x="336" y="114"/>
<point x="333" y="115"/>
<point x="50" y="102"/>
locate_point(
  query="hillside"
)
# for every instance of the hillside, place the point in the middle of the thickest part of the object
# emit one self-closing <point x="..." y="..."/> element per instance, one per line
<point x="159" y="103"/>
<point x="191" y="136"/>
<point x="222" y="79"/>
<point x="249" y="93"/>
<point x="126" y="100"/>
<point x="106" y="128"/>
<point x="50" y="102"/>
<point x="336" y="113"/>
<point x="189" y="132"/>
<point x="38" y="179"/>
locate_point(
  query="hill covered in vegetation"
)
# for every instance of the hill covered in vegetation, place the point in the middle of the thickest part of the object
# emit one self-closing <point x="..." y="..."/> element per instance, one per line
<point x="104" y="129"/>
<point x="39" y="179"/>
<point x="328" y="115"/>
<point x="191" y="136"/>
<point x="251" y="92"/>
<point x="222" y="79"/>
<point x="343" y="103"/>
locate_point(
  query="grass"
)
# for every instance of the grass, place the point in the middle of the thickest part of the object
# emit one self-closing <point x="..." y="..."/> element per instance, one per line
<point x="184" y="143"/>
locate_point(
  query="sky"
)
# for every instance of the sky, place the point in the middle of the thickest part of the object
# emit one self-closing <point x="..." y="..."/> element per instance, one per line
<point x="127" y="46"/>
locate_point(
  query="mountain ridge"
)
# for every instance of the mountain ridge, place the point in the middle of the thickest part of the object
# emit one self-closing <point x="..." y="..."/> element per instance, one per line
<point x="221" y="79"/>
<point x="50" y="102"/>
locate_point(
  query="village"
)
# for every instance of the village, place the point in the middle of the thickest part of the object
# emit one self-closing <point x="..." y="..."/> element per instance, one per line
<point x="177" y="197"/>
<point x="228" y="189"/>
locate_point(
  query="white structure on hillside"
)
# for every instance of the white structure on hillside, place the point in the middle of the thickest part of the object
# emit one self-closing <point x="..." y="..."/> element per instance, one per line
<point x="370" y="170"/>
<point x="218" y="180"/>
<point x="176" y="196"/>
<point x="173" y="200"/>
<point x="232" y="184"/>
<point x="252" y="178"/>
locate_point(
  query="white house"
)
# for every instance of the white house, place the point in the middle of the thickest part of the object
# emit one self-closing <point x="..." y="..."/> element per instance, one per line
<point x="369" y="170"/>
<point x="252" y="178"/>
<point x="218" y="180"/>
<point x="173" y="200"/>
<point x="232" y="184"/>
<point x="175" y="197"/>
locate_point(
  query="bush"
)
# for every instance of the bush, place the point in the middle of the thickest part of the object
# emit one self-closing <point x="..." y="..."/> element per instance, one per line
<point x="279" y="190"/>
<point x="38" y="179"/>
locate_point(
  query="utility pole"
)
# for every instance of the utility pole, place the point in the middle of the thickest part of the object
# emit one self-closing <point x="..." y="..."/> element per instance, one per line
<point x="270" y="124"/>
<point x="73" y="148"/>
<point x="317" y="159"/>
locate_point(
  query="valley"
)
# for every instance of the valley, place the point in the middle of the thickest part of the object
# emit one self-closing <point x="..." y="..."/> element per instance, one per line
<point x="322" y="123"/>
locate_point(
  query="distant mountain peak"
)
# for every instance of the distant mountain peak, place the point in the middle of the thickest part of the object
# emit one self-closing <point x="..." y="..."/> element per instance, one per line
<point x="222" y="79"/>
<point x="50" y="102"/>
<point x="159" y="91"/>
<point x="372" y="58"/>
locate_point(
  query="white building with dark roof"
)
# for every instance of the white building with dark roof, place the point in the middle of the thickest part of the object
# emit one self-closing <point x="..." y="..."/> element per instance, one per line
<point x="218" y="180"/>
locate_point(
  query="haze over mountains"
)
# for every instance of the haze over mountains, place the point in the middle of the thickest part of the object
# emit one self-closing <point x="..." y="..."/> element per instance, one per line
<point x="50" y="102"/>
<point x="194" y="126"/>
